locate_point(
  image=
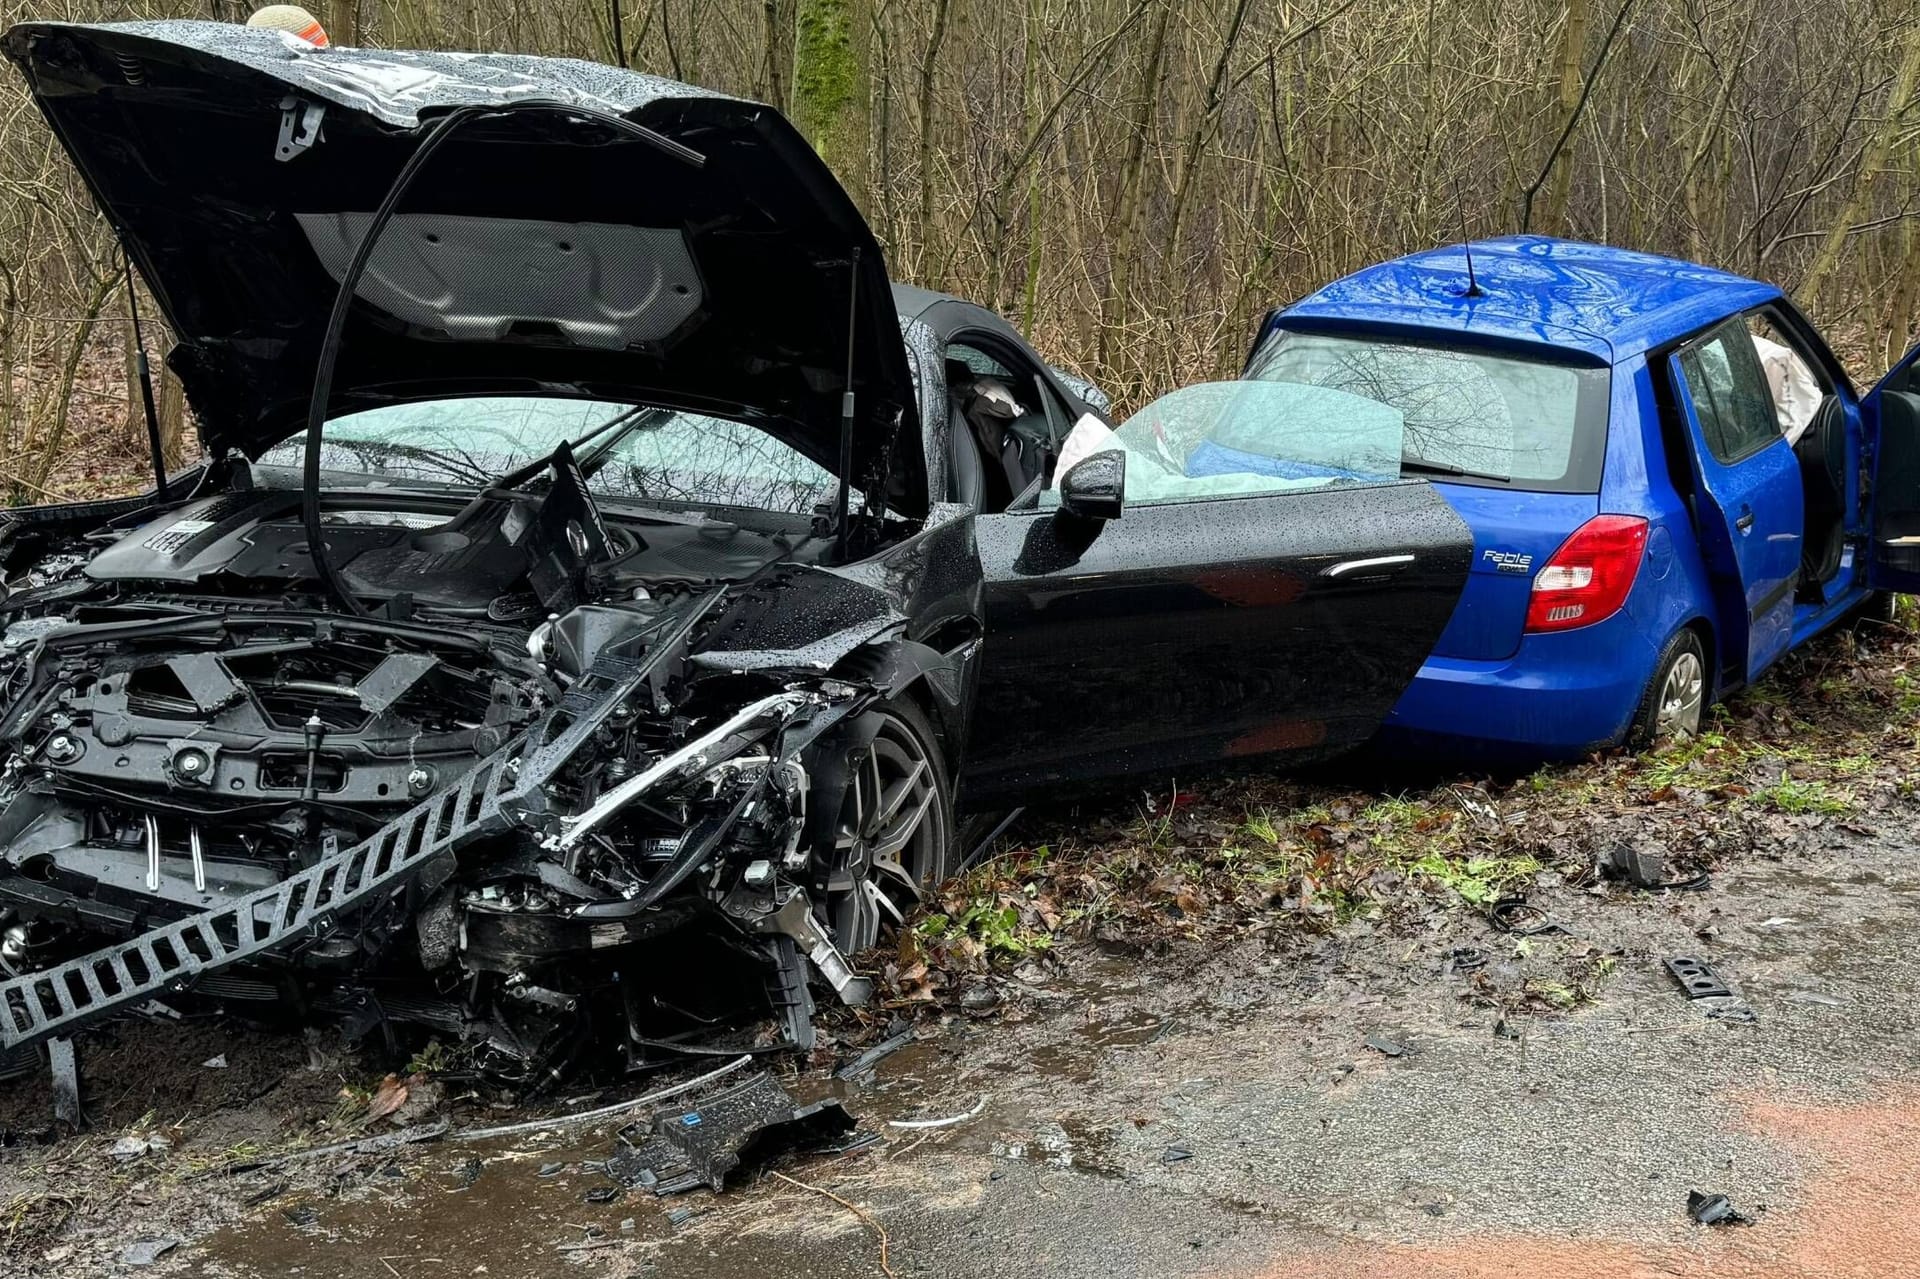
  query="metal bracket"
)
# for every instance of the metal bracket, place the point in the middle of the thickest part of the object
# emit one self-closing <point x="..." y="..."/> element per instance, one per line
<point x="789" y="914"/>
<point x="299" y="127"/>
<point x="66" y="1083"/>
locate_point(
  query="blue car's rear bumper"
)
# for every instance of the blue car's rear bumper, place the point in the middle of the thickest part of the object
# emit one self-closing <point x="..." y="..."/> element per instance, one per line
<point x="1558" y="696"/>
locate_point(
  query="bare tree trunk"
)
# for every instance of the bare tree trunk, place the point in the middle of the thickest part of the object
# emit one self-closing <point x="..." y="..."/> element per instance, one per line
<point x="1573" y="49"/>
<point x="343" y="23"/>
<point x="778" y="55"/>
<point x="929" y="237"/>
<point x="1126" y="213"/>
<point x="831" y="90"/>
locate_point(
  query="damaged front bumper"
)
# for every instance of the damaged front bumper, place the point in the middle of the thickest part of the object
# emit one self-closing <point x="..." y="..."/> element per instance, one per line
<point x="481" y="909"/>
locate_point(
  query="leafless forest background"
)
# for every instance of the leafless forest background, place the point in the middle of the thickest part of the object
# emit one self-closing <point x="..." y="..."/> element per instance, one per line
<point x="1135" y="181"/>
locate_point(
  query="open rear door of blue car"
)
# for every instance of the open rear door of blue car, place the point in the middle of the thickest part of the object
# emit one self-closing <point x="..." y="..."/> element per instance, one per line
<point x="1891" y="414"/>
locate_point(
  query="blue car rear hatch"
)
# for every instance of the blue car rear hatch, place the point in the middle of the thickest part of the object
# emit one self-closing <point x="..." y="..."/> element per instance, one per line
<point x="1514" y="534"/>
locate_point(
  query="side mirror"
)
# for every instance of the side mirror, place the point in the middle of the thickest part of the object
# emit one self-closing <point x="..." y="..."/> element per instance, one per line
<point x="1096" y="487"/>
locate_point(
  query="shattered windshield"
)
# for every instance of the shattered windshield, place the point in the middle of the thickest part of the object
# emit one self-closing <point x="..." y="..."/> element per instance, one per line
<point x="629" y="452"/>
<point x="1473" y="417"/>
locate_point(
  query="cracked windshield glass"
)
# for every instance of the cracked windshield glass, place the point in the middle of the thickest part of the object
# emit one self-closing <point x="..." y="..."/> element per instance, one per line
<point x="636" y="453"/>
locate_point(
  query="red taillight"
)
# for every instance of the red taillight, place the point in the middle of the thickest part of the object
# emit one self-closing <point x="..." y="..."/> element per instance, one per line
<point x="1588" y="578"/>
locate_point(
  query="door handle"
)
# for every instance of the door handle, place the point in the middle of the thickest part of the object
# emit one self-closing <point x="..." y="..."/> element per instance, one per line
<point x="1379" y="566"/>
<point x="1745" y="522"/>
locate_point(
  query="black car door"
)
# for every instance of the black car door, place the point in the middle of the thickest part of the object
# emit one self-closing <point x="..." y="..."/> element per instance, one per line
<point x="1205" y="624"/>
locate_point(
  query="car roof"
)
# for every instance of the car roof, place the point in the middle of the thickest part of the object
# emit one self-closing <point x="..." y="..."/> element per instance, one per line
<point x="1605" y="303"/>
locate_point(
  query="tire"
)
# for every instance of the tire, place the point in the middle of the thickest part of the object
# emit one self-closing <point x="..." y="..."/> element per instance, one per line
<point x="1675" y="702"/>
<point x="888" y="853"/>
<point x="1876" y="612"/>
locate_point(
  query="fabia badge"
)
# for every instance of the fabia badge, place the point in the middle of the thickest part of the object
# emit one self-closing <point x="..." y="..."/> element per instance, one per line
<point x="1508" y="561"/>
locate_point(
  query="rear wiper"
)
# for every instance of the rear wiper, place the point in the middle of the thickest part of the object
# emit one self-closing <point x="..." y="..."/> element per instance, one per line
<point x="1422" y="466"/>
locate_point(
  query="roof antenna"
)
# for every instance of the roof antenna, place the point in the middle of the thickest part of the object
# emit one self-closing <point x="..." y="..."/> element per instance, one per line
<point x="619" y="35"/>
<point x="846" y="415"/>
<point x="1466" y="241"/>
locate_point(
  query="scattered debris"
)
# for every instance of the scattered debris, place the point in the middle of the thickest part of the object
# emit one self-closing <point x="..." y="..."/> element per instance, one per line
<point x="602" y="1112"/>
<point x="1176" y="1154"/>
<point x="66" y="1083"/>
<point x="1504" y="1029"/>
<point x="1510" y="914"/>
<point x="751" y="1122"/>
<point x="139" y="1146"/>
<point x="948" y="1122"/>
<point x="606" y="1194"/>
<point x="677" y="1217"/>
<point x="1715" y="1210"/>
<point x="549" y="1170"/>
<point x="1777" y="921"/>
<point x="301" y="1215"/>
<point x="1643" y="869"/>
<point x="1697" y="978"/>
<point x="862" y="1066"/>
<point x="467" y="1173"/>
<point x="144" y="1252"/>
<point x="1463" y="959"/>
<point x="1733" y="1011"/>
<point x="1815" y="997"/>
<point x="217" y="1062"/>
<point x="1636" y="866"/>
<point x="1389" y="1045"/>
<point x="375" y="1145"/>
<point x="272" y="1190"/>
<point x="979" y="998"/>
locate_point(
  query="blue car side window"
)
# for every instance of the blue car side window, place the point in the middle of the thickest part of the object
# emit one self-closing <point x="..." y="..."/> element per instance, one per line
<point x="1730" y="396"/>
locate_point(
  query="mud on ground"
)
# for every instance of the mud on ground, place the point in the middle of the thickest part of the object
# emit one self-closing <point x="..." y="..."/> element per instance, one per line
<point x="1178" y="1013"/>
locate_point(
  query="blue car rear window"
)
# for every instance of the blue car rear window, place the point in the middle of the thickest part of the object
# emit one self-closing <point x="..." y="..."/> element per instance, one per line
<point x="1467" y="416"/>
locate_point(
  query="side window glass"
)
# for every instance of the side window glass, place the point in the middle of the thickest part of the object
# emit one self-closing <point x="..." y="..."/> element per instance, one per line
<point x="1246" y="439"/>
<point x="978" y="361"/>
<point x="1730" y="395"/>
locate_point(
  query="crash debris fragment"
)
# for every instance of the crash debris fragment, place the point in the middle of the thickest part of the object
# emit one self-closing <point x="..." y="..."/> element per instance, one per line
<point x="1520" y="918"/>
<point x="1715" y="1210"/>
<point x="1700" y="983"/>
<point x="1643" y="868"/>
<point x="1697" y="978"/>
<point x="145" y="1252"/>
<point x="752" y="1122"/>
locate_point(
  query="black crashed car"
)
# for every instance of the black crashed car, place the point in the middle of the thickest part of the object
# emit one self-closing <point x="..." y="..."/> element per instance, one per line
<point x="603" y="596"/>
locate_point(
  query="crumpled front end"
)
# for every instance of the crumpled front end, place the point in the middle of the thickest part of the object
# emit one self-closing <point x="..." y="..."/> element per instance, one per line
<point x="581" y="844"/>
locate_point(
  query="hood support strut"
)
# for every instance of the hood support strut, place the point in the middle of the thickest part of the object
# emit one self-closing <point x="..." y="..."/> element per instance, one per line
<point x="155" y="448"/>
<point x="846" y="416"/>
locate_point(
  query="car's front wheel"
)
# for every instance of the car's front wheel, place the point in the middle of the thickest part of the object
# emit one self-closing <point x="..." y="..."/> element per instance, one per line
<point x="893" y="841"/>
<point x="1676" y="698"/>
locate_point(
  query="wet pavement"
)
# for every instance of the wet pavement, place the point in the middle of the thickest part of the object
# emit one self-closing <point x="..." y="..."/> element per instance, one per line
<point x="1221" y="1113"/>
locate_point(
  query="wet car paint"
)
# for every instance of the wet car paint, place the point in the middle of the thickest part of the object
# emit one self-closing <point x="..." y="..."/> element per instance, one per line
<point x="1186" y="634"/>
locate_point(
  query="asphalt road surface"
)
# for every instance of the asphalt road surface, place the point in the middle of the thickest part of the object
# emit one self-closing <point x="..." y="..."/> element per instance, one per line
<point x="1223" y="1115"/>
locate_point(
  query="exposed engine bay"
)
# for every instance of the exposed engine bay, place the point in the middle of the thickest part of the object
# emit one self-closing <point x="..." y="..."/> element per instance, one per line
<point x="575" y="794"/>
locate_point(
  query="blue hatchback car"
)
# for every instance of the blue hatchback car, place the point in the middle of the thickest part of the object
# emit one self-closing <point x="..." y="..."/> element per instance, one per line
<point x="1669" y="479"/>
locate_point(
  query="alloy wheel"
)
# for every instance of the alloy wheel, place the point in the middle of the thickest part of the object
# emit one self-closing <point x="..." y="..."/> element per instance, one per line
<point x="1680" y="697"/>
<point x="891" y="834"/>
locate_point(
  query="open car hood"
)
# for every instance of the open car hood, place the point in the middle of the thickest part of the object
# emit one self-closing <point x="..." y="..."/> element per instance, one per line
<point x="535" y="253"/>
